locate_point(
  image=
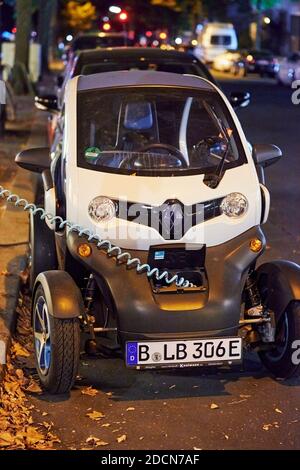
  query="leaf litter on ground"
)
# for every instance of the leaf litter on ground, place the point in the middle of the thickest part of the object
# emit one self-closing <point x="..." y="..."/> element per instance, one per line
<point x="17" y="427"/>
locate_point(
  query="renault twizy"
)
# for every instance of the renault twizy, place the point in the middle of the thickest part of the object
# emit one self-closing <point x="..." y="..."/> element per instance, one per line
<point x="156" y="164"/>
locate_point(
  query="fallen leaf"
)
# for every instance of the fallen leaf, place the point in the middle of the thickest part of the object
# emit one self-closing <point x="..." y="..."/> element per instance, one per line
<point x="244" y="396"/>
<point x="121" y="438"/>
<point x="130" y="408"/>
<point x="92" y="440"/>
<point x="33" y="435"/>
<point x="18" y="350"/>
<point x="266" y="427"/>
<point x="92" y="392"/>
<point x="102" y="443"/>
<point x="278" y="410"/>
<point x="95" y="415"/>
<point x="236" y="402"/>
<point x="172" y="386"/>
<point x="33" y="387"/>
<point x="214" y="406"/>
<point x="196" y="448"/>
<point x="6" y="439"/>
<point x="44" y="413"/>
<point x="105" y="425"/>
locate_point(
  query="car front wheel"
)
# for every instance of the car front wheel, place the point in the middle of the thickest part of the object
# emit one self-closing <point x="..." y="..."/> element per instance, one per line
<point x="56" y="346"/>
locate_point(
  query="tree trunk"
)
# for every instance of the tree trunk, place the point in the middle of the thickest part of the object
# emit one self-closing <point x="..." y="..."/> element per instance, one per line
<point x="258" y="24"/>
<point x="23" y="12"/>
<point x="44" y="29"/>
<point x="20" y="77"/>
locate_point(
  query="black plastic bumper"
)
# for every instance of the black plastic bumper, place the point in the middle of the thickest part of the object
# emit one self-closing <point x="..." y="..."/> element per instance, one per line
<point x="142" y="314"/>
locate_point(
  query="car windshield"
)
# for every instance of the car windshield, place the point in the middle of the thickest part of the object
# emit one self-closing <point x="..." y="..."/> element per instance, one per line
<point x="220" y="40"/>
<point x="155" y="131"/>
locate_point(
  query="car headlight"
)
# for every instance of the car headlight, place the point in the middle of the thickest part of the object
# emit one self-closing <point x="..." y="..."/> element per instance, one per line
<point x="234" y="205"/>
<point x="101" y="209"/>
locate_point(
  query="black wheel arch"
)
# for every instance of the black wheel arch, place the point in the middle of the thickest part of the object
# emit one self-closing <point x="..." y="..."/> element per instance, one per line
<point x="64" y="299"/>
<point x="279" y="284"/>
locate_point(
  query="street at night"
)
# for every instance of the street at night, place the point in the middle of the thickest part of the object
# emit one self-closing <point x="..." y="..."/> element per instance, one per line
<point x="175" y="409"/>
<point x="149" y="229"/>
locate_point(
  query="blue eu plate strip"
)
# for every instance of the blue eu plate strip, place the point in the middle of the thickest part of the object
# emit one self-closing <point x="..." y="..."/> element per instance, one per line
<point x="132" y="354"/>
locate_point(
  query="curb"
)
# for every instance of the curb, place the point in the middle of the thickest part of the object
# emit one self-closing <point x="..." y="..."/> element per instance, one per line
<point x="13" y="258"/>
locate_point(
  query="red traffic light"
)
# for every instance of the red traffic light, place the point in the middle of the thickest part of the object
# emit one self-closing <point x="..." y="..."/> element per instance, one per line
<point x="123" y="16"/>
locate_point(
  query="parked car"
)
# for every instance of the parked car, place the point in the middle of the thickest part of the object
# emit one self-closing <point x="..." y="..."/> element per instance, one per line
<point x="157" y="165"/>
<point x="96" y="40"/>
<point x="231" y="61"/>
<point x="261" y="61"/>
<point x="215" y="39"/>
<point x="105" y="60"/>
<point x="242" y="62"/>
<point x="289" y="69"/>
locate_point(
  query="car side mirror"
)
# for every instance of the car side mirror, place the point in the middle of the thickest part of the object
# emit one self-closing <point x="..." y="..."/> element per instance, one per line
<point x="266" y="154"/>
<point x="36" y="160"/>
<point x="240" y="99"/>
<point x="47" y="103"/>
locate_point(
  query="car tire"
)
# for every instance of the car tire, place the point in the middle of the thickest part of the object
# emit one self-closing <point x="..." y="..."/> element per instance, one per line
<point x="56" y="347"/>
<point x="42" y="249"/>
<point x="278" y="360"/>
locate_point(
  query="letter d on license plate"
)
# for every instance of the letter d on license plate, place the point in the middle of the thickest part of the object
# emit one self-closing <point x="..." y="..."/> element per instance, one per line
<point x="202" y="351"/>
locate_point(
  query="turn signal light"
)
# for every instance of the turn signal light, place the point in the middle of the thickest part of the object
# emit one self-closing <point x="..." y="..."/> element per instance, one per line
<point x="84" y="250"/>
<point x="256" y="245"/>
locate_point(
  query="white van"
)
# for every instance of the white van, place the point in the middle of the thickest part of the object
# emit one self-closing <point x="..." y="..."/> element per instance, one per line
<point x="215" y="39"/>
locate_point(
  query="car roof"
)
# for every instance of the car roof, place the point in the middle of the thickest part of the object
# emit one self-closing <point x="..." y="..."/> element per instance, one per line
<point x="141" y="78"/>
<point x="133" y="53"/>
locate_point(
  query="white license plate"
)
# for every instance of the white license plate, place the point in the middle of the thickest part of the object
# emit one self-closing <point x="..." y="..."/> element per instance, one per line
<point x="202" y="351"/>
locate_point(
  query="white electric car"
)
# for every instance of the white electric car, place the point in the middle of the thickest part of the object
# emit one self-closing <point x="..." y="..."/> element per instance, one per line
<point x="157" y="165"/>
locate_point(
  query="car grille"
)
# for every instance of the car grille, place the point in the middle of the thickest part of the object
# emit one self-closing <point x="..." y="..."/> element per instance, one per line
<point x="172" y="219"/>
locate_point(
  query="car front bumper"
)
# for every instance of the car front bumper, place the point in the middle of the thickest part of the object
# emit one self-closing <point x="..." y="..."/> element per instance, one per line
<point x="142" y="314"/>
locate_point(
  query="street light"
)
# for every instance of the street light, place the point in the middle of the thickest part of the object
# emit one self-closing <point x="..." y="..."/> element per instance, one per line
<point x="107" y="27"/>
<point x="163" y="35"/>
<point x="115" y="9"/>
<point x="267" y="20"/>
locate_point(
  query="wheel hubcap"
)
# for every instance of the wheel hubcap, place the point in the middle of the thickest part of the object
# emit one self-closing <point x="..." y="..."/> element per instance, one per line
<point x="42" y="341"/>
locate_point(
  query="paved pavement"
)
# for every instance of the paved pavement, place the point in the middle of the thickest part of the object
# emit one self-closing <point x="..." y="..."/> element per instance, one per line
<point x="172" y="409"/>
<point x="27" y="131"/>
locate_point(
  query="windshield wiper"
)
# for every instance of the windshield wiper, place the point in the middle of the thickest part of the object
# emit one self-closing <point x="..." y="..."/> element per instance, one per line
<point x="212" y="180"/>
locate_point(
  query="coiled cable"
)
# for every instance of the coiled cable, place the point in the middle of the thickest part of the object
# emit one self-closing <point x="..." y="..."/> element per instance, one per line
<point x="121" y="256"/>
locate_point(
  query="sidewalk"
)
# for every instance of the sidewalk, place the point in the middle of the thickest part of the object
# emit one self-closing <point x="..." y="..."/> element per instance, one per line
<point x="28" y="131"/>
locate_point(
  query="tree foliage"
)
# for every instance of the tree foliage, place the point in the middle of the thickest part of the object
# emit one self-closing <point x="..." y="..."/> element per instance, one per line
<point x="80" y="16"/>
<point x="265" y="4"/>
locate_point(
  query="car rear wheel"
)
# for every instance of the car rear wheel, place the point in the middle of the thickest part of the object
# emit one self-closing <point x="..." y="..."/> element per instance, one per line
<point x="281" y="359"/>
<point x="56" y="346"/>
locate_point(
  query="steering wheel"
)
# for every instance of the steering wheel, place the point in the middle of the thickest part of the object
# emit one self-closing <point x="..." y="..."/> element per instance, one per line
<point x="170" y="148"/>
